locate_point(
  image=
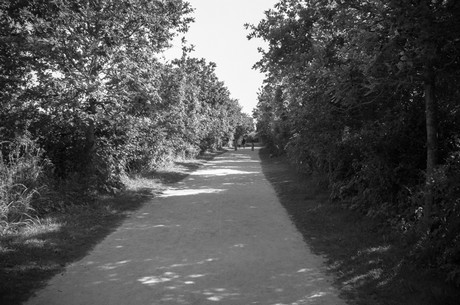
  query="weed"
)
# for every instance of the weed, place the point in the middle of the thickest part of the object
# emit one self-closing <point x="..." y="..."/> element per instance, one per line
<point x="22" y="168"/>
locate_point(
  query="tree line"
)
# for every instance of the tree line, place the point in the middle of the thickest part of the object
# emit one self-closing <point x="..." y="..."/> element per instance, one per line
<point x="85" y="98"/>
<point x="365" y="94"/>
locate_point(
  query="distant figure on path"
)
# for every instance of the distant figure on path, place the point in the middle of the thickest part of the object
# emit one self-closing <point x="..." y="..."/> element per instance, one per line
<point x="243" y="143"/>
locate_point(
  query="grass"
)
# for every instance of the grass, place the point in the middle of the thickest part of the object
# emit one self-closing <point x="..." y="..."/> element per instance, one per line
<point x="42" y="248"/>
<point x="369" y="262"/>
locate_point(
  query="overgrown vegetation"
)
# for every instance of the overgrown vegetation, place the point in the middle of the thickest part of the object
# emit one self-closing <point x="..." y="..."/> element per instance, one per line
<point x="22" y="170"/>
<point x="365" y="94"/>
<point x="370" y="262"/>
<point x="85" y="100"/>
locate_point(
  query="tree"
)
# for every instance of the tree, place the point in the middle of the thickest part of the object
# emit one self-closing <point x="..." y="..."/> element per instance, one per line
<point x="93" y="62"/>
<point x="425" y="38"/>
<point x="365" y="91"/>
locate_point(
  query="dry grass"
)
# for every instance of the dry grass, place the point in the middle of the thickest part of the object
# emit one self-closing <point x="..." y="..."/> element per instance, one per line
<point x="21" y="180"/>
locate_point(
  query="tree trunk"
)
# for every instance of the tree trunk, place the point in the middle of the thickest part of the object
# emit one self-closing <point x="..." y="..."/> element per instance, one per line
<point x="431" y="140"/>
<point x="90" y="144"/>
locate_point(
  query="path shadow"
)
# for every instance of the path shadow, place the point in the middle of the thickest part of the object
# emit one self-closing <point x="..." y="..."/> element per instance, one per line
<point x="366" y="260"/>
<point x="28" y="260"/>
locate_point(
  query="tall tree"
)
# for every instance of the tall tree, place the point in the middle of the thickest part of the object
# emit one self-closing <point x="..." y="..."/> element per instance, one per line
<point x="425" y="35"/>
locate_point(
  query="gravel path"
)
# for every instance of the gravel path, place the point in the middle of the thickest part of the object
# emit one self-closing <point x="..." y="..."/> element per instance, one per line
<point x="218" y="237"/>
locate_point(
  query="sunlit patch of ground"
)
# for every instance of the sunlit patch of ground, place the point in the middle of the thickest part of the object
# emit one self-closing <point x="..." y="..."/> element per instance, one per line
<point x="189" y="192"/>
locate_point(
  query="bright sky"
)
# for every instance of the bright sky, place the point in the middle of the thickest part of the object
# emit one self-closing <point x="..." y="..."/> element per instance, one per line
<point x="218" y="35"/>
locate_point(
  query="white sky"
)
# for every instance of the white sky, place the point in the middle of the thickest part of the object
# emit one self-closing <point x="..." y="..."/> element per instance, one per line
<point x="218" y="35"/>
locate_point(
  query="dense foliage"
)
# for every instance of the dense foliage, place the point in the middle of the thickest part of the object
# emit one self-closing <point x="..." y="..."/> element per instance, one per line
<point x="82" y="82"/>
<point x="366" y="93"/>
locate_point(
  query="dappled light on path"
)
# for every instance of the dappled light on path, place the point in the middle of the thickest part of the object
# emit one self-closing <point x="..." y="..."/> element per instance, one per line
<point x="221" y="172"/>
<point x="188" y="192"/>
<point x="233" y="161"/>
<point x="219" y="237"/>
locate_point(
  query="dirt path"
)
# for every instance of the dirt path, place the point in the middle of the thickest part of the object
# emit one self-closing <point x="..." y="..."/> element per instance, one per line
<point x="218" y="237"/>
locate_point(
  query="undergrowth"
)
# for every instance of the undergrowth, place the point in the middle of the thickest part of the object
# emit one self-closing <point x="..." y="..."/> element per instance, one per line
<point x="373" y="263"/>
<point x="22" y="180"/>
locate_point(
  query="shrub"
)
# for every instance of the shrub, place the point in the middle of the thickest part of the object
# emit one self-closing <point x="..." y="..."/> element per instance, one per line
<point x="441" y="247"/>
